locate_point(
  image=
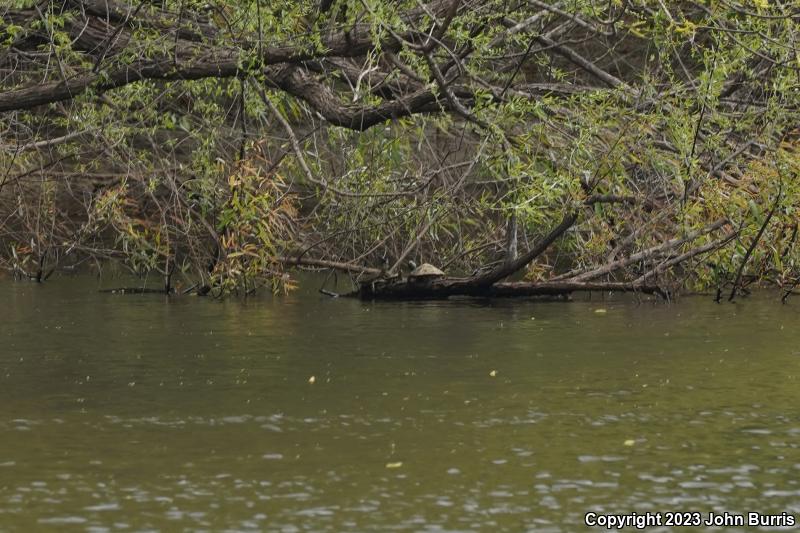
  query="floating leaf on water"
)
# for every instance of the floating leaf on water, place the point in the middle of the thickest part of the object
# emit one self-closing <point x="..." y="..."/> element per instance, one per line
<point x="397" y="464"/>
<point x="629" y="442"/>
<point x="312" y="380"/>
<point x="493" y="373"/>
<point x="600" y="311"/>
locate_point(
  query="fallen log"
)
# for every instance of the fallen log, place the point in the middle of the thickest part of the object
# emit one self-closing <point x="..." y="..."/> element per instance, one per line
<point x="402" y="289"/>
<point x="522" y="288"/>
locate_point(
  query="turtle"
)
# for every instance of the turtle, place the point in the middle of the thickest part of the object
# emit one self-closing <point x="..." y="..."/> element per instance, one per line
<point x="425" y="272"/>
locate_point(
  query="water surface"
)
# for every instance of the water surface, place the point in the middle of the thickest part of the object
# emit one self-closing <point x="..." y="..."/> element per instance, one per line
<point x="153" y="414"/>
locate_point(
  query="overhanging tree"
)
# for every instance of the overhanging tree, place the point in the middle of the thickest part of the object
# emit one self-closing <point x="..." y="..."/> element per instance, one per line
<point x="623" y="144"/>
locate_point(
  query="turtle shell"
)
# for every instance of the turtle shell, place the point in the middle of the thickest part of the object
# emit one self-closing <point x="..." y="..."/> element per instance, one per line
<point x="427" y="271"/>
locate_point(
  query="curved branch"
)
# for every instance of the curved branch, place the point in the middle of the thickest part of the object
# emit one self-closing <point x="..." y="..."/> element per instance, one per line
<point x="505" y="269"/>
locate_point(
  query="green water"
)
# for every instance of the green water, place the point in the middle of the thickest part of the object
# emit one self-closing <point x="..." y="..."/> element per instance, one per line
<point x="143" y="413"/>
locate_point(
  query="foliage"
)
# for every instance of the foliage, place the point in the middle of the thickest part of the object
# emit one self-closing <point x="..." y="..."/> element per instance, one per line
<point x="211" y="138"/>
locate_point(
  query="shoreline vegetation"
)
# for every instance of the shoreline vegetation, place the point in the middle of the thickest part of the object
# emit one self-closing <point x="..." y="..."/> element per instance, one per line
<point x="532" y="148"/>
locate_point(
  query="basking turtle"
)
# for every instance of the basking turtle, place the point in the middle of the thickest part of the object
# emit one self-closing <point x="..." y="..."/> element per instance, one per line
<point x="425" y="272"/>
